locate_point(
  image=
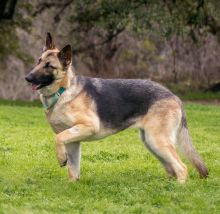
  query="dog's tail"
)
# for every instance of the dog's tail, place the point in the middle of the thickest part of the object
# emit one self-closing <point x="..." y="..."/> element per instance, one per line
<point x="188" y="150"/>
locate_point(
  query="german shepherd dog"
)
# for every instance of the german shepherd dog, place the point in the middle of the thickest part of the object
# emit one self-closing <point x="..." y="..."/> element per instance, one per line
<point x="81" y="108"/>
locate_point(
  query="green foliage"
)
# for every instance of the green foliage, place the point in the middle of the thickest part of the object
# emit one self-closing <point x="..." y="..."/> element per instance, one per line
<point x="9" y="42"/>
<point x="118" y="175"/>
<point x="8" y="39"/>
<point x="165" y="17"/>
<point x="109" y="15"/>
<point x="107" y="18"/>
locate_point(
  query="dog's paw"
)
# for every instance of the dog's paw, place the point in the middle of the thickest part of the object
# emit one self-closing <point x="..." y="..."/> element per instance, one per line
<point x="62" y="159"/>
<point x="73" y="175"/>
<point x="63" y="163"/>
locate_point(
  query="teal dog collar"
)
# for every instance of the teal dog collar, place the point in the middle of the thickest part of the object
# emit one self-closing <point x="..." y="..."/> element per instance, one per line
<point x="50" y="101"/>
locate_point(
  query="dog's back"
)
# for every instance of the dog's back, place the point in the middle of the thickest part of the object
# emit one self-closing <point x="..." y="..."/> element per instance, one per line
<point x="120" y="101"/>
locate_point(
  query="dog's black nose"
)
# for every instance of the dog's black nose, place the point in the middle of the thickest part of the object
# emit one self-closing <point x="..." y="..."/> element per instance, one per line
<point x="29" y="77"/>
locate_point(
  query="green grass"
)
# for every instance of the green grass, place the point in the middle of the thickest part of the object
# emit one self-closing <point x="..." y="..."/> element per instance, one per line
<point x="198" y="95"/>
<point x="118" y="175"/>
<point x="187" y="93"/>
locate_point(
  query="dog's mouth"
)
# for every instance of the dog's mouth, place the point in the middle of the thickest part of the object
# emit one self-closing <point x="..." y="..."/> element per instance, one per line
<point x="36" y="87"/>
<point x="38" y="82"/>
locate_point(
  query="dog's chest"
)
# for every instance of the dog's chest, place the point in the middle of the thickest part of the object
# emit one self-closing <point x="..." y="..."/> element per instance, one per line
<point x="59" y="121"/>
<point x="60" y="118"/>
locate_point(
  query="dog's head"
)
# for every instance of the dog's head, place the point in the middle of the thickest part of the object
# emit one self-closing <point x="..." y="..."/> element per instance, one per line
<point x="51" y="68"/>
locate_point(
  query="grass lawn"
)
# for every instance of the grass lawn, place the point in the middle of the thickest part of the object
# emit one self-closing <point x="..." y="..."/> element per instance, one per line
<point x="118" y="175"/>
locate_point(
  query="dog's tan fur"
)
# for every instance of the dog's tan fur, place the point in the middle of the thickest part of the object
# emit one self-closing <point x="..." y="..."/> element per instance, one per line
<point x="161" y="126"/>
<point x="74" y="118"/>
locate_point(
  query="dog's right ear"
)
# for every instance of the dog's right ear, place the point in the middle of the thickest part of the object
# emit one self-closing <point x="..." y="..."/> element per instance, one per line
<point x="49" y="43"/>
<point x="65" y="56"/>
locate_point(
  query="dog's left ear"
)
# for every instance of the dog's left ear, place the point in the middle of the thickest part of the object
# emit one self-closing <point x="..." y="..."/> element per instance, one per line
<point x="49" y="43"/>
<point x="65" y="56"/>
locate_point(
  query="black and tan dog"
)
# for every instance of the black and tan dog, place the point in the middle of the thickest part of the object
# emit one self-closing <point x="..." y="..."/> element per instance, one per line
<point x="82" y="108"/>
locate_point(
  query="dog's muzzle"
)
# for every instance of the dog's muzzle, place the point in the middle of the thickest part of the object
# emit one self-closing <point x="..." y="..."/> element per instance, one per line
<point x="30" y="78"/>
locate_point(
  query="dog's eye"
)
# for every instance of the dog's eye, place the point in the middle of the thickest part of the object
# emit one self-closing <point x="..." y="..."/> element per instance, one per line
<point x="48" y="65"/>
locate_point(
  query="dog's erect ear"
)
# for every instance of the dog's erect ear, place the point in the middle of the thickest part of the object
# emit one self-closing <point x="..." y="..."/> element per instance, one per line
<point x="49" y="42"/>
<point x="65" y="56"/>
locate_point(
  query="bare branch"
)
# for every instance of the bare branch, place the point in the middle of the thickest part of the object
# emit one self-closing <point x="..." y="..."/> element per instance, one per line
<point x="65" y="5"/>
<point x="46" y="5"/>
<point x="109" y="38"/>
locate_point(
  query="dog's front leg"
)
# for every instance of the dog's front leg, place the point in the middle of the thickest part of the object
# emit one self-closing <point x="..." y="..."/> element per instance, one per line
<point x="61" y="153"/>
<point x="73" y="155"/>
<point x="69" y="139"/>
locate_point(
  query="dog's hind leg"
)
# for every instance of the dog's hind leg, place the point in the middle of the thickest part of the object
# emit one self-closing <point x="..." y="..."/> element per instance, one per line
<point x="73" y="160"/>
<point x="159" y="134"/>
<point x="166" y="153"/>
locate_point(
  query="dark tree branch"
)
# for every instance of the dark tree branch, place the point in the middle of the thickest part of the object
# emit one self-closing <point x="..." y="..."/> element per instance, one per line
<point x="65" y="5"/>
<point x="109" y="38"/>
<point x="42" y="7"/>
<point x="46" y="5"/>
